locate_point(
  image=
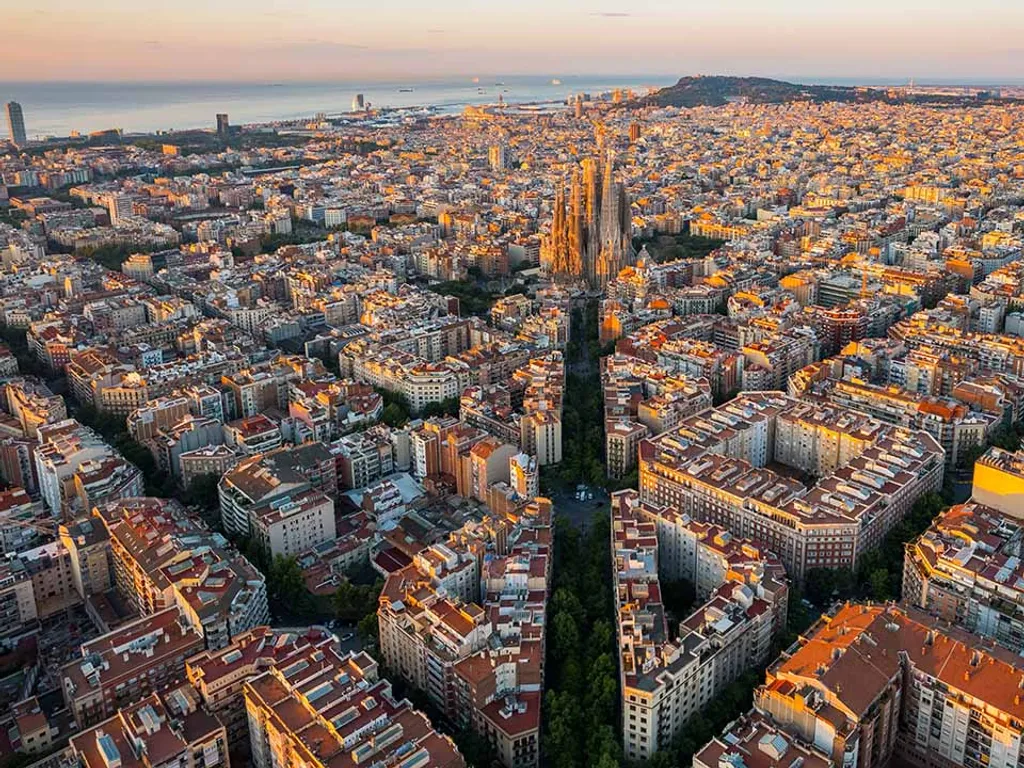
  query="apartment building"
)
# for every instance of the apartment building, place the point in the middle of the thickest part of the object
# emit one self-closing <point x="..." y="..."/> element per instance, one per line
<point x="171" y="729"/>
<point x="875" y="683"/>
<point x="363" y="458"/>
<point x="952" y="424"/>
<point x="541" y="436"/>
<point x="88" y="545"/>
<point x="464" y="623"/>
<point x="754" y="741"/>
<point x="966" y="569"/>
<point x="622" y="442"/>
<point x="715" y="467"/>
<point x="220" y="675"/>
<point x="253" y="435"/>
<point x="328" y="707"/>
<point x="273" y="478"/>
<point x="665" y="681"/>
<point x="124" y="666"/>
<point x="64" y="447"/>
<point x="999" y="481"/>
<point x="22" y="521"/>
<point x="292" y="524"/>
<point x="17" y="599"/>
<point x="163" y="557"/>
<point x="210" y="460"/>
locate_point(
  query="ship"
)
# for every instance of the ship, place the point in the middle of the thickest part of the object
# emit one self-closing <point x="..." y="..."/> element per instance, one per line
<point x="556" y="81"/>
<point x="405" y="90"/>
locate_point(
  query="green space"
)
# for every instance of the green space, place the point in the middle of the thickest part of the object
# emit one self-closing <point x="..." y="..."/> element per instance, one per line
<point x="664" y="248"/>
<point x="110" y="256"/>
<point x="398" y="410"/>
<point x="12" y="217"/>
<point x="473" y="300"/>
<point x="583" y="457"/>
<point x="581" y="703"/>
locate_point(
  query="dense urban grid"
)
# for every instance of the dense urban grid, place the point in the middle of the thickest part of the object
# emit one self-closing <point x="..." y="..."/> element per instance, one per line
<point x="626" y="431"/>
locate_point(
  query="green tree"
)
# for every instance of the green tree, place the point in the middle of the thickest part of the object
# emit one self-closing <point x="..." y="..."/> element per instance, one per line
<point x="369" y="630"/>
<point x="880" y="585"/>
<point x="286" y="580"/>
<point x="393" y="415"/>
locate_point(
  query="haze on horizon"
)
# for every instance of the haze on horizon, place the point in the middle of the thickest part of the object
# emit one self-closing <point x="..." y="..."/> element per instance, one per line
<point x="259" y="40"/>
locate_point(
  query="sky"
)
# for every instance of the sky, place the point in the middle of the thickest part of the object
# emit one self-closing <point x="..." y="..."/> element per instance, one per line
<point x="260" y="40"/>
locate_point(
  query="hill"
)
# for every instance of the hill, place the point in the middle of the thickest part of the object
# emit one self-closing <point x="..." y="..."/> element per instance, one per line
<point x="716" y="90"/>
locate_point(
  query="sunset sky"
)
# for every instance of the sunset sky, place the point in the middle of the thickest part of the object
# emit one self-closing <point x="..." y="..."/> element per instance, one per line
<point x="312" y="39"/>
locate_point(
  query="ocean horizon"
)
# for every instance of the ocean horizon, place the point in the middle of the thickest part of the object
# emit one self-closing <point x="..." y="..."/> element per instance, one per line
<point x="58" y="108"/>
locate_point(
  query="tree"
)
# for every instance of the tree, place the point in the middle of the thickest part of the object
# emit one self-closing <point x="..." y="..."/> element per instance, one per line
<point x="393" y="415"/>
<point x="475" y="748"/>
<point x="354" y="602"/>
<point x="448" y="407"/>
<point x="202" y="492"/>
<point x="286" y="580"/>
<point x="880" y="585"/>
<point x="368" y="630"/>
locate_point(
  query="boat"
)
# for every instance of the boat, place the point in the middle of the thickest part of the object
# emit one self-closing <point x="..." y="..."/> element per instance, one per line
<point x="556" y="81"/>
<point x="405" y="90"/>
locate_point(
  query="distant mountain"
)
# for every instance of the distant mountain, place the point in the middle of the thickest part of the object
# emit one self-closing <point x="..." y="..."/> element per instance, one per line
<point x="716" y="90"/>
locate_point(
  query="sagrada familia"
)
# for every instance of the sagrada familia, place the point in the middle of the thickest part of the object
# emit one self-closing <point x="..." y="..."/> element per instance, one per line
<point x="590" y="232"/>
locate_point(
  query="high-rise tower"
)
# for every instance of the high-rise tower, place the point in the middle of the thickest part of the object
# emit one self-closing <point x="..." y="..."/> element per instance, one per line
<point x="223" y="126"/>
<point x="16" y="123"/>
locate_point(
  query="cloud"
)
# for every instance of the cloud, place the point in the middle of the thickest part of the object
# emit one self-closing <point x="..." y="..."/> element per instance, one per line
<point x="612" y="14"/>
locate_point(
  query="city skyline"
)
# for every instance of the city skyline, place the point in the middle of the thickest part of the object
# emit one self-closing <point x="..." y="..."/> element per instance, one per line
<point x="902" y="39"/>
<point x="658" y="406"/>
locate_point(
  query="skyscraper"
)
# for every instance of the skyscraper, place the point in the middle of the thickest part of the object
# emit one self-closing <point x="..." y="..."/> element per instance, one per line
<point x="358" y="104"/>
<point x="16" y="123"/>
<point x="223" y="126"/>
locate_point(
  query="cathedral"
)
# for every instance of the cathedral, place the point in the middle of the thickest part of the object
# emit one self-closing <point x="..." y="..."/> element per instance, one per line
<point x="590" y="231"/>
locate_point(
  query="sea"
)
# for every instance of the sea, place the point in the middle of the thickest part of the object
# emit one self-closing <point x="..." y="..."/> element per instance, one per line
<point x="58" y="108"/>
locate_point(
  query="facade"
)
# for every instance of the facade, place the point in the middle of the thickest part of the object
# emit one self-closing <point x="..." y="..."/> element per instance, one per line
<point x="16" y="124"/>
<point x="164" y="558"/>
<point x="17" y="599"/>
<point x="872" y="684"/>
<point x="622" y="442"/>
<point x="464" y="623"/>
<point x="714" y="467"/>
<point x="124" y="666"/>
<point x="999" y="481"/>
<point x="665" y="682"/>
<point x="219" y="676"/>
<point x="966" y="569"/>
<point x="291" y="525"/>
<point x="591" y="231"/>
<point x="273" y="478"/>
